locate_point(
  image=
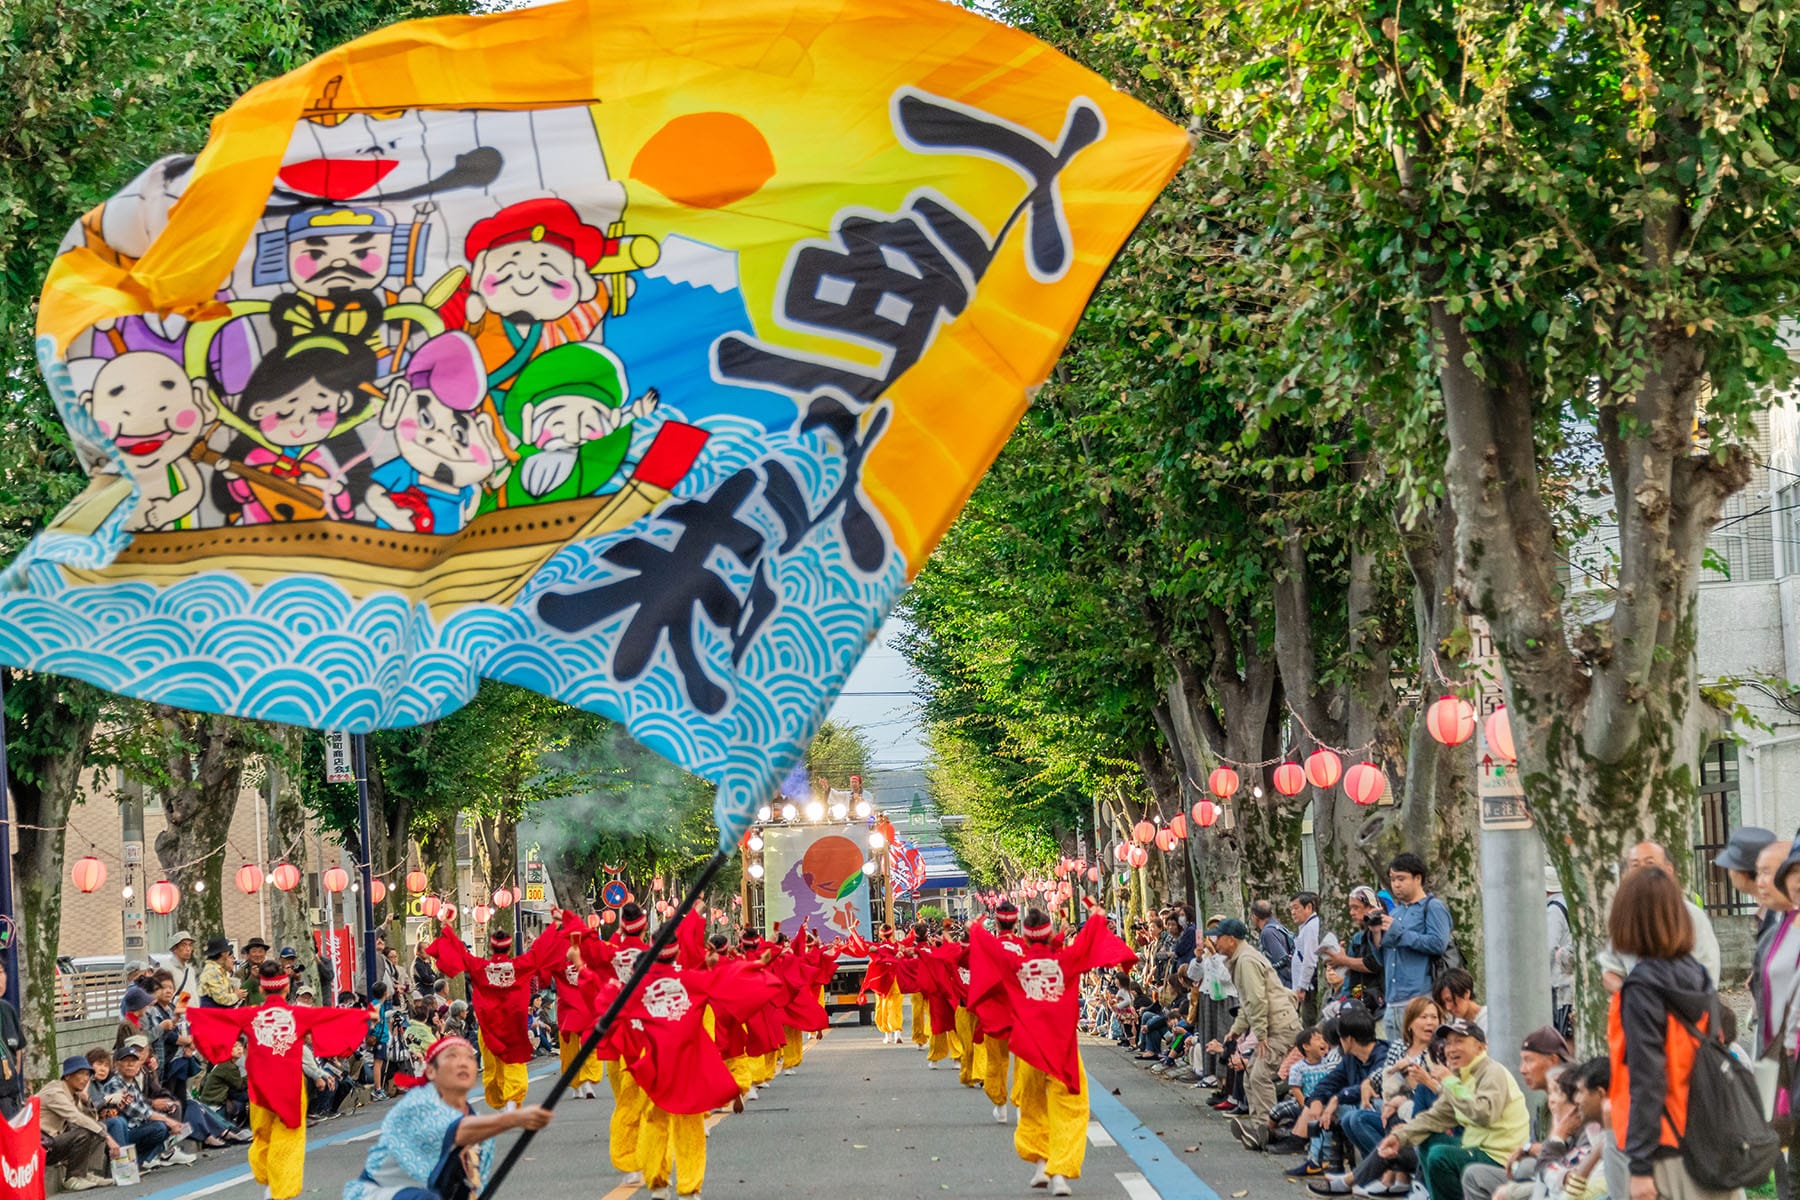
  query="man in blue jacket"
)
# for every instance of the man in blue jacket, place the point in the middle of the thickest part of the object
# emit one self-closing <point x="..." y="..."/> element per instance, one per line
<point x="1413" y="934"/>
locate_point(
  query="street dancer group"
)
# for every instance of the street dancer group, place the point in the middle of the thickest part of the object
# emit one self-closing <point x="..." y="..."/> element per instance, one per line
<point x="711" y="1025"/>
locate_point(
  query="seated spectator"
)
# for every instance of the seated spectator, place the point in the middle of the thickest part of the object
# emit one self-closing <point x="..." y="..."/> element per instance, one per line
<point x="1348" y="1097"/>
<point x="1311" y="1061"/>
<point x="226" y="1089"/>
<point x="1482" y="1098"/>
<point x="74" y="1139"/>
<point x="1543" y="1059"/>
<point x="1455" y="995"/>
<point x="132" y="1120"/>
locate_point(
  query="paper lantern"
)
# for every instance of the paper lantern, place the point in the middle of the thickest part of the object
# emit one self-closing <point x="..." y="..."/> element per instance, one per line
<point x="1223" y="782"/>
<point x="1166" y="841"/>
<point x="1139" y="856"/>
<point x="480" y="913"/>
<point x="1064" y="891"/>
<point x="377" y="891"/>
<point x="285" y="876"/>
<point x="1450" y="721"/>
<point x="87" y="874"/>
<point x="593" y="922"/>
<point x="1178" y="825"/>
<point x="1499" y="736"/>
<point x="1324" y="768"/>
<point x="609" y="916"/>
<point x="503" y="897"/>
<point x="430" y="905"/>
<point x="162" y="897"/>
<point x="249" y="879"/>
<point x="416" y="882"/>
<point x="1364" y="783"/>
<point x="1289" y="779"/>
<point x="335" y="880"/>
<point x="1121" y="852"/>
<point x="1093" y="874"/>
<point x="1142" y="832"/>
<point x="1205" y="813"/>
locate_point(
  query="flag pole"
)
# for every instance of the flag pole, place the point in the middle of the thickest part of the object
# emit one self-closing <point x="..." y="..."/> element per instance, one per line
<point x="359" y="758"/>
<point x="664" y="935"/>
<point x="9" y="953"/>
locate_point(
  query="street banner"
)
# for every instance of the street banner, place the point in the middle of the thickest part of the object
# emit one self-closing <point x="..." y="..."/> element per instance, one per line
<point x="813" y="879"/>
<point x="908" y="867"/>
<point x="339" y="764"/>
<point x="339" y="949"/>
<point x="638" y="356"/>
<point x="22" y="1154"/>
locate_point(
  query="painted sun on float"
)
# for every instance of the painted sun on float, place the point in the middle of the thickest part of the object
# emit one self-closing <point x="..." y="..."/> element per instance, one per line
<point x="705" y="160"/>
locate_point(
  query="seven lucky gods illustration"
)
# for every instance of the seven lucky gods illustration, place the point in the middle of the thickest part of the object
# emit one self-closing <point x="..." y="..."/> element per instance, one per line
<point x="637" y="363"/>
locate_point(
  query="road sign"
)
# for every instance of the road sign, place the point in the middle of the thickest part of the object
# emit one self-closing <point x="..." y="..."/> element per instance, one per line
<point x="134" y="854"/>
<point x="1497" y="784"/>
<point x="536" y="875"/>
<point x="339" y="766"/>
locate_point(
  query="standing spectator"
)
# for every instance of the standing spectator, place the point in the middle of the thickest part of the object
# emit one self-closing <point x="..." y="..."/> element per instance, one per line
<point x="218" y="982"/>
<point x="1665" y="986"/>
<point x="1482" y="1098"/>
<point x="425" y="976"/>
<point x="1276" y="942"/>
<point x="1265" y="1009"/>
<point x="1355" y="971"/>
<point x="1616" y="962"/>
<point x="255" y="951"/>
<point x="185" y="970"/>
<point x="1410" y="937"/>
<point x="1187" y="941"/>
<point x="1562" y="954"/>
<point x="12" y="1046"/>
<point x="1304" y="909"/>
<point x="1774" y="990"/>
<point x="1738" y="858"/>
<point x="74" y="1137"/>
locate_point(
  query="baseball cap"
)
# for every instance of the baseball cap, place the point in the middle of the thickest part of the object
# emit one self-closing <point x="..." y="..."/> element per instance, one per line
<point x="1231" y="927"/>
<point x="1466" y="1029"/>
<point x="1548" y="1041"/>
<point x="127" y="1051"/>
<point x="289" y="952"/>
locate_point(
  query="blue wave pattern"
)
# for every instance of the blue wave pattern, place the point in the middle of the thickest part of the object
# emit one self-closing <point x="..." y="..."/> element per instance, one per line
<point x="304" y="652"/>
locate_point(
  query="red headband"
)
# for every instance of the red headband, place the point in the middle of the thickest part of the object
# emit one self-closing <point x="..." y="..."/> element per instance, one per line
<point x="1038" y="933"/>
<point x="443" y="1044"/>
<point x="273" y="983"/>
<point x="636" y="925"/>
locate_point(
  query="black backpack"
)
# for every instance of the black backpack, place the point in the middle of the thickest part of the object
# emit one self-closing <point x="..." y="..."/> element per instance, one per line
<point x="1727" y="1144"/>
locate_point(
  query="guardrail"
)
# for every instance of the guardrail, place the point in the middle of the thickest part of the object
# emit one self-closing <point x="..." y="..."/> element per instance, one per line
<point x="89" y="996"/>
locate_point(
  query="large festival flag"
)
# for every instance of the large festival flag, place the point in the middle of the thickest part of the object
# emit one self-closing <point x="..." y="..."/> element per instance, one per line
<point x="637" y="356"/>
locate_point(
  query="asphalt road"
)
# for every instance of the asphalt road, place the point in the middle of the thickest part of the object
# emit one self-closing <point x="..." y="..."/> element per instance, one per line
<point x="859" y="1121"/>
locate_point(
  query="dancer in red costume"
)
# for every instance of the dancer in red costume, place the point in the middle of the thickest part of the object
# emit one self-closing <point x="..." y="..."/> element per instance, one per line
<point x="993" y="1023"/>
<point x="613" y="959"/>
<point x="801" y="1011"/>
<point x="500" y="986"/>
<point x="576" y="987"/>
<point x="952" y="959"/>
<point x="911" y="978"/>
<point x="668" y="1050"/>
<point x="881" y="980"/>
<point x="1039" y="985"/>
<point x="763" y="1032"/>
<point x="276" y="1034"/>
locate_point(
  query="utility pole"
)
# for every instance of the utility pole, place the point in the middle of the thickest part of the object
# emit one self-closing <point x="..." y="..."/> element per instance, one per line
<point x="359" y="751"/>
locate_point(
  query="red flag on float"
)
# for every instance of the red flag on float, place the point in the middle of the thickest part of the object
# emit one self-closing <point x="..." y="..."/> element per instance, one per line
<point x="22" y="1155"/>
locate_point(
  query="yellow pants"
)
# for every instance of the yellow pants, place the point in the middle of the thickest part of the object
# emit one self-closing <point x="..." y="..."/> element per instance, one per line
<point x="996" y="1059"/>
<point x="506" y="1082"/>
<point x="947" y="1044"/>
<point x="743" y="1070"/>
<point x="792" y="1050"/>
<point x="592" y="1071"/>
<point x="765" y="1066"/>
<point x="888" y="1011"/>
<point x="679" y="1139"/>
<point x="627" y="1126"/>
<point x="968" y="1052"/>
<point x="615" y="1076"/>
<point x="277" y="1153"/>
<point x="921" y="1020"/>
<point x="1053" y="1122"/>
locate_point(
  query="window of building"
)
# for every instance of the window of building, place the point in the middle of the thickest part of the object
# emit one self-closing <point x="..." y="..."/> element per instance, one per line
<point x="1719" y="813"/>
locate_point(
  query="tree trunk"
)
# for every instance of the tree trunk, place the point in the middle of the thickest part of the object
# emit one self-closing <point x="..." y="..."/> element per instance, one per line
<point x="285" y="831"/>
<point x="44" y="778"/>
<point x="204" y="767"/>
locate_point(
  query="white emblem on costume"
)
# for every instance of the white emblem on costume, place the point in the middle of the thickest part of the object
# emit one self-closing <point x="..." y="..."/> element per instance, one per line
<point x="572" y="972"/>
<point x="1042" y="979"/>
<point x="624" y="962"/>
<point x="275" y="1028"/>
<point x="964" y="972"/>
<point x="500" y="974"/>
<point x="19" y="1176"/>
<point x="666" y="999"/>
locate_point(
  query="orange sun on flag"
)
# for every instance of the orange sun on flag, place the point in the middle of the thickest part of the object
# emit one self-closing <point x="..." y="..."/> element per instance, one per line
<point x="705" y="160"/>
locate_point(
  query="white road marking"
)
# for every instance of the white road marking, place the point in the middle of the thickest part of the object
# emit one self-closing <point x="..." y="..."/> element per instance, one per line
<point x="1097" y="1135"/>
<point x="234" y="1181"/>
<point x="1136" y="1186"/>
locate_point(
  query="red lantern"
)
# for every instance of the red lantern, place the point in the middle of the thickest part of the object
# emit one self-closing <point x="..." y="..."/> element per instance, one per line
<point x="335" y="880"/>
<point x="1093" y="874"/>
<point x="1064" y="891"/>
<point x="1178" y="825"/>
<point x="481" y="913"/>
<point x="1364" y="783"/>
<point x="162" y="897"/>
<point x="1323" y="768"/>
<point x="1499" y="736"/>
<point x="1166" y="840"/>
<point x="1122" y="852"/>
<point x="285" y="876"/>
<point x="377" y="891"/>
<point x="1205" y="813"/>
<point x="1139" y="856"/>
<point x="249" y="879"/>
<point x="1223" y="782"/>
<point x="1142" y="832"/>
<point x="1450" y="721"/>
<point x="609" y="916"/>
<point x="1289" y="779"/>
<point x="503" y="897"/>
<point x="416" y="882"/>
<point x="593" y="922"/>
<point x="430" y="906"/>
<point x="87" y="874"/>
